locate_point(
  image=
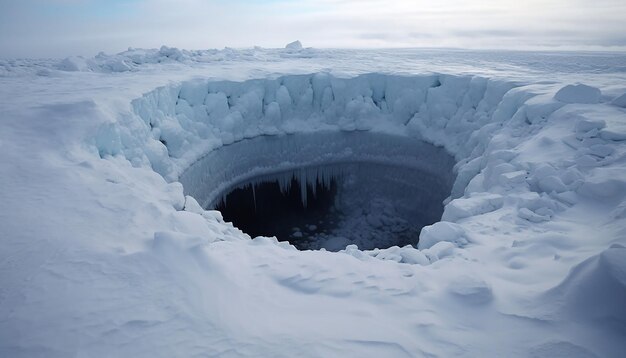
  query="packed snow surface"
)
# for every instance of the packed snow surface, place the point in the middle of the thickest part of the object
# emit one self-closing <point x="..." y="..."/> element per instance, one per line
<point x="109" y="163"/>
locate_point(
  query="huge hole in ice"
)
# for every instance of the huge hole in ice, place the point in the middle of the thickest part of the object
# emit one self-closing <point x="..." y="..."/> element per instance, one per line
<point x="326" y="189"/>
<point x="216" y="137"/>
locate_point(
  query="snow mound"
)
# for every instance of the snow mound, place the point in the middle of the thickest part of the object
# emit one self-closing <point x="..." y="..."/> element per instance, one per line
<point x="620" y="101"/>
<point x="579" y="93"/>
<point x="296" y="45"/>
<point x="442" y="232"/>
<point x="73" y="64"/>
<point x="595" y="289"/>
<point x="470" y="289"/>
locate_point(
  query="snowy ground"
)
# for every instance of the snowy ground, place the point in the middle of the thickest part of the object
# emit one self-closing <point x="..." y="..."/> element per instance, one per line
<point x="103" y="255"/>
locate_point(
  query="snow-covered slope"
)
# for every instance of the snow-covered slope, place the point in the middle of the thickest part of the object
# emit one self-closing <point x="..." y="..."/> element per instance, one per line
<point x="103" y="254"/>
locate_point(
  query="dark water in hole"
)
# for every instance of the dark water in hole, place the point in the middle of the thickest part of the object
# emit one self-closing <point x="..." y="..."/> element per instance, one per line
<point x="264" y="210"/>
<point x="371" y="205"/>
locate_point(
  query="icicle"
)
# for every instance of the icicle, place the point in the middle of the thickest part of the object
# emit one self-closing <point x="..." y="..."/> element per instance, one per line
<point x="311" y="177"/>
<point x="288" y="180"/>
<point x="314" y="184"/>
<point x="284" y="181"/>
<point x="254" y="196"/>
<point x="325" y="179"/>
<point x="302" y="179"/>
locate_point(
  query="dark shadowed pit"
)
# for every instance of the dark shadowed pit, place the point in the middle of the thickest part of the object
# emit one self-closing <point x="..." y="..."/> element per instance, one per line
<point x="326" y="190"/>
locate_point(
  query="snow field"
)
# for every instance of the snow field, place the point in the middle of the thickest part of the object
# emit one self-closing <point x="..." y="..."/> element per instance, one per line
<point x="527" y="261"/>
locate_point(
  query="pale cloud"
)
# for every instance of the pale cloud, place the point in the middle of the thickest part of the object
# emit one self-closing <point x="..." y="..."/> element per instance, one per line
<point x="27" y="29"/>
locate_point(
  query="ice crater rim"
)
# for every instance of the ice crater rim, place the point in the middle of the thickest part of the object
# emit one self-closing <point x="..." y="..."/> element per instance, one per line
<point x="458" y="112"/>
<point x="196" y="116"/>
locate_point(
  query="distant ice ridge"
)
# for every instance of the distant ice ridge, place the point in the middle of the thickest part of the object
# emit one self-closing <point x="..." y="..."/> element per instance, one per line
<point x="590" y="68"/>
<point x="131" y="59"/>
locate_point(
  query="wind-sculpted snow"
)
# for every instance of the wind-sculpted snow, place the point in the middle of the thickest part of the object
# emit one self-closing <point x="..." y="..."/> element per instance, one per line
<point x="106" y="253"/>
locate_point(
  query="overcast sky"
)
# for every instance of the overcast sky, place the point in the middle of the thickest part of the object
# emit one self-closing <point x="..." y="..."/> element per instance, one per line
<point x="59" y="28"/>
